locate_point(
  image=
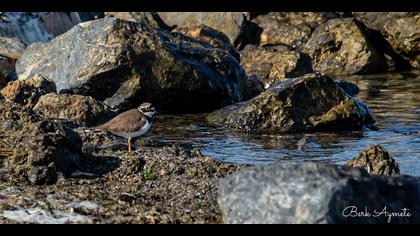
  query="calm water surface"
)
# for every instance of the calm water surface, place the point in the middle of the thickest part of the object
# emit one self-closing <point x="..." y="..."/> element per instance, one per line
<point x="394" y="100"/>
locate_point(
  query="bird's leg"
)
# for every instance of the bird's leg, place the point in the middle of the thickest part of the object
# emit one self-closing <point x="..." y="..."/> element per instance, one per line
<point x="129" y="145"/>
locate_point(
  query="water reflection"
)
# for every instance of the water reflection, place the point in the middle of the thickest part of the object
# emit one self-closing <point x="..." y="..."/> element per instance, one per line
<point x="393" y="99"/>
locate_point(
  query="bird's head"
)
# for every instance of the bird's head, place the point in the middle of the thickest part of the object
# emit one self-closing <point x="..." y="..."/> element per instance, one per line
<point x="147" y="109"/>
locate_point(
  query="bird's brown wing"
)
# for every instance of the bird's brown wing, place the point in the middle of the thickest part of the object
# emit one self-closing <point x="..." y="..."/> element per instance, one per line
<point x="129" y="121"/>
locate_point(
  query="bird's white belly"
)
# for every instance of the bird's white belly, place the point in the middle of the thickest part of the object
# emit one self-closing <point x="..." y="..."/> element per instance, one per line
<point x="136" y="134"/>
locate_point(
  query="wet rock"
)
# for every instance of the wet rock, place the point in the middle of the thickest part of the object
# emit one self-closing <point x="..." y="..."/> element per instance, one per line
<point x="30" y="27"/>
<point x="376" y="160"/>
<point x="40" y="216"/>
<point x="289" y="28"/>
<point x="27" y="92"/>
<point x="340" y="46"/>
<point x="309" y="103"/>
<point x="316" y="193"/>
<point x="395" y="34"/>
<point x="348" y="87"/>
<point x="126" y="63"/>
<point x="214" y="37"/>
<point x="271" y="66"/>
<point x="151" y="19"/>
<point x="83" y="110"/>
<point x="230" y="23"/>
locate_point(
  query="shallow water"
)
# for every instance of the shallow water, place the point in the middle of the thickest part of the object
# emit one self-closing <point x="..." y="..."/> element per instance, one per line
<point x="394" y="100"/>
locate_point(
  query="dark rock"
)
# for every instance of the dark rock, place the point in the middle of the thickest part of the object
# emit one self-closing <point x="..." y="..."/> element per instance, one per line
<point x="254" y="87"/>
<point x="16" y="114"/>
<point x="38" y="149"/>
<point x="271" y="66"/>
<point x="3" y="81"/>
<point x="214" y="37"/>
<point x="376" y="160"/>
<point x="309" y="103"/>
<point x="126" y="63"/>
<point x="348" y="87"/>
<point x="316" y="193"/>
<point x="27" y="92"/>
<point x="340" y="46"/>
<point x="151" y="19"/>
<point x="230" y="23"/>
<point x="394" y="34"/>
<point x="30" y="27"/>
<point x="87" y="16"/>
<point x="44" y="148"/>
<point x="289" y="28"/>
<point x="83" y="110"/>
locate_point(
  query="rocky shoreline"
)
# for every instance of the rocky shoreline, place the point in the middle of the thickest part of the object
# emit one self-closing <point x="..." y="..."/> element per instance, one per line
<point x="152" y="185"/>
<point x="265" y="73"/>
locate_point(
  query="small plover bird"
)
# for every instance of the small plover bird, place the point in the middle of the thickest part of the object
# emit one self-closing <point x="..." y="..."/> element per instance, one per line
<point x="131" y="124"/>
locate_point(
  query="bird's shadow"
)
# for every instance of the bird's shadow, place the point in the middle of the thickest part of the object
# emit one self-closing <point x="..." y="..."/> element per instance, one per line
<point x="92" y="166"/>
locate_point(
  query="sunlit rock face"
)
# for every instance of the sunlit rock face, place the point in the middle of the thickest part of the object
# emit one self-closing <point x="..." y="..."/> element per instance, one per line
<point x="313" y="102"/>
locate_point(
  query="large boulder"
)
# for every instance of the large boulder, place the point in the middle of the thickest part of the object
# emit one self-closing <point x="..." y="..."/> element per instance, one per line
<point x="376" y="160"/>
<point x="271" y="66"/>
<point x="27" y="92"/>
<point x="289" y="28"/>
<point x="313" y="102"/>
<point x="340" y="46"/>
<point x="396" y="34"/>
<point x="83" y="110"/>
<point x="315" y="193"/>
<point x="125" y="63"/>
<point x="34" y="149"/>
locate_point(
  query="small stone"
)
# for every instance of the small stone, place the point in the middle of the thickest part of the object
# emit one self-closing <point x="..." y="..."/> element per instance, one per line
<point x="376" y="160"/>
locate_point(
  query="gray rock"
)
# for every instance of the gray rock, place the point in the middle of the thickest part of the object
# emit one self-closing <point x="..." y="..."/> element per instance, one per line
<point x="124" y="63"/>
<point x="30" y="27"/>
<point x="39" y="216"/>
<point x="340" y="46"/>
<point x="313" y="102"/>
<point x="316" y="193"/>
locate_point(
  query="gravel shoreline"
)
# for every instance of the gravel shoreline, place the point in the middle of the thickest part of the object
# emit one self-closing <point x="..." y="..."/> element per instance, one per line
<point x="170" y="184"/>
